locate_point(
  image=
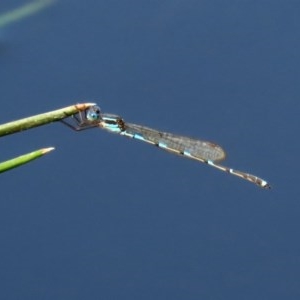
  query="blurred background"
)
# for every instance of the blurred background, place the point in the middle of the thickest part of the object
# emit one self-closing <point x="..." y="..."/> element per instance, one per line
<point x="105" y="217"/>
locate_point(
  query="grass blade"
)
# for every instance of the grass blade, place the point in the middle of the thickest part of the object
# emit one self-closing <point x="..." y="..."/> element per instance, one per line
<point x="23" y="159"/>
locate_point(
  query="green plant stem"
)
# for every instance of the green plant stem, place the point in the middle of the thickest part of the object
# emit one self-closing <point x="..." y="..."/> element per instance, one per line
<point x="23" y="159"/>
<point x="42" y="119"/>
<point x="23" y="11"/>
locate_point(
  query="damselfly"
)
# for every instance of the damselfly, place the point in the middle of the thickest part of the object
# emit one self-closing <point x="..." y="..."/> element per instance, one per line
<point x="205" y="152"/>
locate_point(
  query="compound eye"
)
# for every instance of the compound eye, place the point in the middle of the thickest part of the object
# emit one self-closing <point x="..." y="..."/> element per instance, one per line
<point x="93" y="113"/>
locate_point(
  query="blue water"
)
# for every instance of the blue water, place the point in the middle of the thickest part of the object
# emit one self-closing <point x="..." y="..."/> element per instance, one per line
<point x="105" y="217"/>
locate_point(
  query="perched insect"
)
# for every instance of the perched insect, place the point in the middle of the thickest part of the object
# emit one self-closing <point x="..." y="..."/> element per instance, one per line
<point x="205" y="152"/>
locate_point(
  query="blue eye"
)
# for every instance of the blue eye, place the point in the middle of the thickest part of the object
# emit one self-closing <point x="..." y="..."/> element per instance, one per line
<point x="93" y="113"/>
